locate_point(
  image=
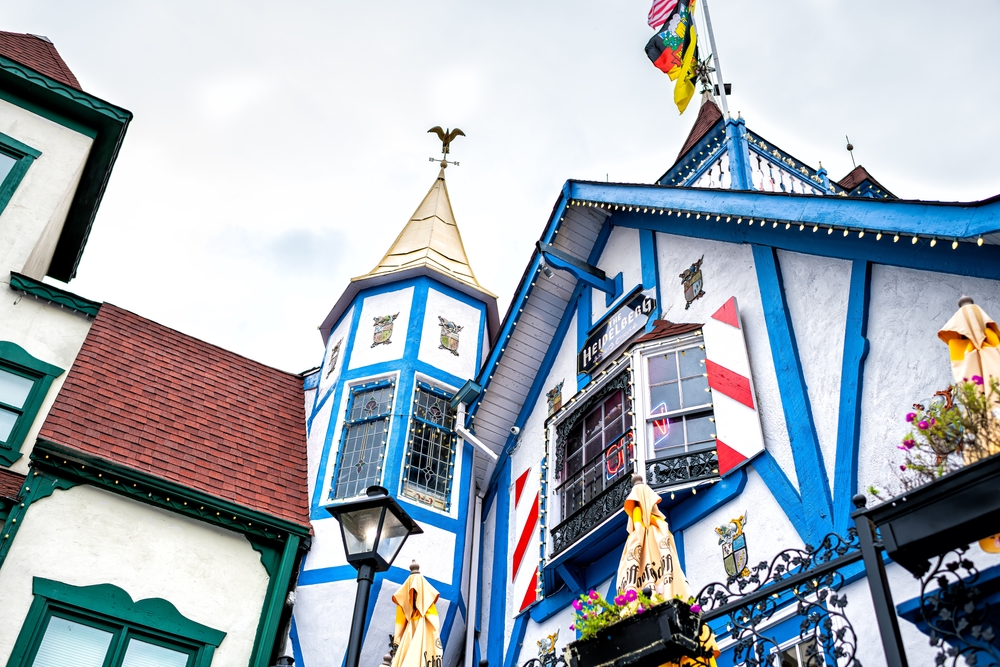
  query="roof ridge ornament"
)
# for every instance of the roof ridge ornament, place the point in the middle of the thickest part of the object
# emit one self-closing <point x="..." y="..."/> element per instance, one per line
<point x="446" y="136"/>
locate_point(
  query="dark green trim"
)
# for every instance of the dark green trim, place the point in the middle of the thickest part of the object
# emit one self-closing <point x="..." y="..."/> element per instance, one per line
<point x="80" y="112"/>
<point x="107" y="605"/>
<point x="18" y="147"/>
<point x="279" y="569"/>
<point x="37" y="485"/>
<point x="25" y="156"/>
<point x="52" y="294"/>
<point x="15" y="359"/>
<point x="152" y="490"/>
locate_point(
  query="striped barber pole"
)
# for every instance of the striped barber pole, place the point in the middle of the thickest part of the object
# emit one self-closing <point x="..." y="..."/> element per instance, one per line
<point x="737" y="422"/>
<point x="524" y="570"/>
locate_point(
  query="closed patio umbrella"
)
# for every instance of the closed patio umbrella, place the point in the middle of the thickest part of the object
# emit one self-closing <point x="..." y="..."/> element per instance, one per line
<point x="417" y="623"/>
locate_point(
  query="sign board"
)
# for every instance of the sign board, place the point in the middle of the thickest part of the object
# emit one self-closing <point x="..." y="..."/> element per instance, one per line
<point x="602" y="342"/>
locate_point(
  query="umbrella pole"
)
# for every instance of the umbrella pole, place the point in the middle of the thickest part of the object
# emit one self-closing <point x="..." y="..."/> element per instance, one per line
<point x="366" y="573"/>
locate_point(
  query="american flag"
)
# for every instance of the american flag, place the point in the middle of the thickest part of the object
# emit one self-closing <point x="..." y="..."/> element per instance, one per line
<point x="659" y="12"/>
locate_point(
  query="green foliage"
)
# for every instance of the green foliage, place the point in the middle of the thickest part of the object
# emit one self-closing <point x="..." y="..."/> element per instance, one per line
<point x="593" y="613"/>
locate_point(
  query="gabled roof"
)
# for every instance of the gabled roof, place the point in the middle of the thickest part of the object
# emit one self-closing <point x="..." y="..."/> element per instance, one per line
<point x="666" y="329"/>
<point x="859" y="183"/>
<point x="708" y="115"/>
<point x="152" y="399"/>
<point x="10" y="484"/>
<point x="38" y="53"/>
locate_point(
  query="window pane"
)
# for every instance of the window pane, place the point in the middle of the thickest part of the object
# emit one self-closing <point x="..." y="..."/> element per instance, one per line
<point x="699" y="428"/>
<point x="68" y="643"/>
<point x="592" y="425"/>
<point x="6" y="164"/>
<point x="431" y="454"/>
<point x="14" y="389"/>
<point x="662" y="368"/>
<point x="692" y="361"/>
<point x="613" y="407"/>
<point x="142" y="654"/>
<point x="363" y="445"/>
<point x="666" y="433"/>
<point x="7" y="421"/>
<point x="695" y="391"/>
<point x="664" y="398"/>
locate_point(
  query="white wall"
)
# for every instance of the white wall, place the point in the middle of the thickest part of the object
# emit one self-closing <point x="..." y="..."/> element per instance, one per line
<point x="38" y="208"/>
<point x="328" y="376"/>
<point x="381" y="305"/>
<point x="621" y="254"/>
<point x="466" y="316"/>
<point x="86" y="536"/>
<point x="323" y="621"/>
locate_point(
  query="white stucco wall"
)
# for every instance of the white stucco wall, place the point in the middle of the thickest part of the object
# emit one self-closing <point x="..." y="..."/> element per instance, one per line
<point x="380" y="305"/>
<point x="621" y="254"/>
<point x="212" y="576"/>
<point x="488" y="538"/>
<point x="38" y="208"/>
<point x="440" y="305"/>
<point x="316" y="438"/>
<point x="329" y="376"/>
<point x="323" y="622"/>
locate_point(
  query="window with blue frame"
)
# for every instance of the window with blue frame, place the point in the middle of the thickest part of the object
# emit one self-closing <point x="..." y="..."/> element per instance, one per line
<point x="363" y="441"/>
<point x="430" y="455"/>
<point x="15" y="159"/>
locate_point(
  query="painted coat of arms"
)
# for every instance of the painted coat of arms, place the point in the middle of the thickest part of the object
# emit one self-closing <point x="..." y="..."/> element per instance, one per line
<point x="734" y="546"/>
<point x="554" y="398"/>
<point x="547" y="649"/>
<point x="693" y="283"/>
<point x="334" y="357"/>
<point x="449" y="335"/>
<point x="383" y="329"/>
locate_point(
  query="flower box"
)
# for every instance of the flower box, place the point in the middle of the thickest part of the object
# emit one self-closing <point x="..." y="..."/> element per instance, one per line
<point x="664" y="633"/>
<point x="960" y="508"/>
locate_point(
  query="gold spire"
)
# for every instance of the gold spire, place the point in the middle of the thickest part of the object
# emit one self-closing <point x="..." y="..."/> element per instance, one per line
<point x="430" y="239"/>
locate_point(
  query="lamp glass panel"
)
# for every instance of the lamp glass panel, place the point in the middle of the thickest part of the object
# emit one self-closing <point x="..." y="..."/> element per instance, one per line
<point x="393" y="535"/>
<point x="360" y="528"/>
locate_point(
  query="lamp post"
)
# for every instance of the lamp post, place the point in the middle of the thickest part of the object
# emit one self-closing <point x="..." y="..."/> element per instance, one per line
<point x="374" y="529"/>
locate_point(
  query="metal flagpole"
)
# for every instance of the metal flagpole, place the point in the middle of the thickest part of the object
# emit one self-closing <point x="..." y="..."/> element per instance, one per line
<point x="715" y="57"/>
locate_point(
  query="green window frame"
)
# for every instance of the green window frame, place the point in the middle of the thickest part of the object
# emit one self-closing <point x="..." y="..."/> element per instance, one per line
<point x="23" y="155"/>
<point x="110" y="609"/>
<point x="15" y="360"/>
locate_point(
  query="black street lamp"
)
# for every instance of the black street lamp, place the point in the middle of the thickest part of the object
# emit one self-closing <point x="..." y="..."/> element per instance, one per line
<point x="374" y="529"/>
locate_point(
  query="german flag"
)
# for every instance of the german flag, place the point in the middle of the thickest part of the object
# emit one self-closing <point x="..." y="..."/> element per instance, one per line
<point x="674" y="50"/>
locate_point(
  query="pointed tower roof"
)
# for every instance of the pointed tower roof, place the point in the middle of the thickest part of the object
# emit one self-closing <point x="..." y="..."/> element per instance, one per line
<point x="430" y="245"/>
<point x="430" y="239"/>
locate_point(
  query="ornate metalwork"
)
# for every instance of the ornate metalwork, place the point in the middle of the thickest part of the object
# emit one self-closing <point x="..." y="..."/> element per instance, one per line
<point x="683" y="468"/>
<point x="591" y="515"/>
<point x="549" y="660"/>
<point x="811" y="579"/>
<point x="621" y="381"/>
<point x="955" y="612"/>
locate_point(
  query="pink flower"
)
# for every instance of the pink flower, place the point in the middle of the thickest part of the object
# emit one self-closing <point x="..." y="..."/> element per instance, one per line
<point x="594" y="595"/>
<point x="923" y="425"/>
<point x="585" y="617"/>
<point x="907" y="444"/>
<point x="696" y="609"/>
<point x="978" y="379"/>
<point x="631" y="595"/>
<point x="911" y="416"/>
<point x="933" y="421"/>
<point x="621" y="601"/>
<point x="640" y="609"/>
<point x="902" y="467"/>
<point x="572" y="627"/>
<point x="577" y="605"/>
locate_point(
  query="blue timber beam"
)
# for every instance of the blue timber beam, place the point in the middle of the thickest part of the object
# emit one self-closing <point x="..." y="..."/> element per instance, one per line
<point x="579" y="269"/>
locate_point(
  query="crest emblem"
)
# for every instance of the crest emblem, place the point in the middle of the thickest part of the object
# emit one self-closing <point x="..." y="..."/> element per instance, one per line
<point x="547" y="648"/>
<point x="383" y="329"/>
<point x="334" y="358"/>
<point x="734" y="546"/>
<point x="449" y="335"/>
<point x="693" y="283"/>
<point x="554" y="398"/>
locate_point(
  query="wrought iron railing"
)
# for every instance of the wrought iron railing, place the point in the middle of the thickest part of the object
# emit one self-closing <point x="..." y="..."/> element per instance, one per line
<point x="687" y="467"/>
<point x="591" y="515"/>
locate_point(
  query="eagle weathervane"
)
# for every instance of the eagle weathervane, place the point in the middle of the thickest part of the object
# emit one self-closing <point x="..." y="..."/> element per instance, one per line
<point x="446" y="137"/>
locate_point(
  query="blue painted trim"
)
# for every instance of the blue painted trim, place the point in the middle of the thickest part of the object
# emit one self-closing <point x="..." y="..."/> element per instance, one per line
<point x="946" y="220"/>
<point x="741" y="177"/>
<point x="784" y="494"/>
<point x="293" y="634"/>
<point x="797" y="175"/>
<point x="325" y="575"/>
<point x="354" y="392"/>
<point x="573" y="577"/>
<point x="845" y="473"/>
<point x="596" y="573"/>
<point x="612" y="591"/>
<point x="715" y="135"/>
<point x="584" y="318"/>
<point x="697" y="507"/>
<point x="650" y="266"/>
<point x="609" y="297"/>
<point x="704" y="166"/>
<point x="449" y="620"/>
<point x="679" y="541"/>
<point x="516" y="640"/>
<point x="814" y="486"/>
<point x="498" y="590"/>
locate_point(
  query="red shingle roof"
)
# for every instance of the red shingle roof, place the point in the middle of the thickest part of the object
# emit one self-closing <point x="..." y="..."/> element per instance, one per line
<point x="666" y="329"/>
<point x="39" y="54"/>
<point x="10" y="484"/>
<point x="708" y="116"/>
<point x="164" y="403"/>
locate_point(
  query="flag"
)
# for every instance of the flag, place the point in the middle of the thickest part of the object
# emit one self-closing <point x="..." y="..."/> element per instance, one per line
<point x="659" y="12"/>
<point x="674" y="49"/>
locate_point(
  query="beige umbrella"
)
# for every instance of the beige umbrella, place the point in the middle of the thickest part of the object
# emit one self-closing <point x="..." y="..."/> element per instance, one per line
<point x="417" y="623"/>
<point x="973" y="340"/>
<point x="650" y="557"/>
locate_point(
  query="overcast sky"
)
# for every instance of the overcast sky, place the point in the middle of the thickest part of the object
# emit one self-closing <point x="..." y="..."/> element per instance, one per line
<point x="278" y="147"/>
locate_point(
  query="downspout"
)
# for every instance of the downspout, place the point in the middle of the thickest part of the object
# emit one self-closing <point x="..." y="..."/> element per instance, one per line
<point x="472" y="602"/>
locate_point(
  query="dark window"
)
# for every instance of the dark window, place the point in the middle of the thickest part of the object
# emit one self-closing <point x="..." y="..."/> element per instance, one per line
<point x="430" y="458"/>
<point x="362" y="445"/>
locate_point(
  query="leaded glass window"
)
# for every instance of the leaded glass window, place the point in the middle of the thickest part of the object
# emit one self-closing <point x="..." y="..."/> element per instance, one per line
<point x="430" y="457"/>
<point x="362" y="445"/>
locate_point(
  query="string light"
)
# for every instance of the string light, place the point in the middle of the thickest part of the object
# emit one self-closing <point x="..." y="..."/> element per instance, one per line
<point x="845" y="232"/>
<point x="933" y="242"/>
<point x="802" y="226"/>
<point x="775" y="225"/>
<point x="861" y="234"/>
<point x="954" y="244"/>
<point x="878" y="237"/>
<point x="895" y="238"/>
<point x="815" y="228"/>
<point x="914" y="241"/>
<point x="979" y="241"/>
<point x="829" y="231"/>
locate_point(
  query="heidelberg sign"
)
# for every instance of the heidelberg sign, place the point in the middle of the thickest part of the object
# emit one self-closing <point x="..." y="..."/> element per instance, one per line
<point x="630" y="318"/>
